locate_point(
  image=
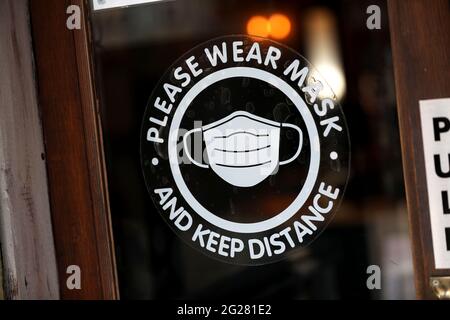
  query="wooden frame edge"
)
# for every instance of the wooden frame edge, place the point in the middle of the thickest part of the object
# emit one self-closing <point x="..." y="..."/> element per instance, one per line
<point x="421" y="62"/>
<point x="74" y="147"/>
<point x="27" y="246"/>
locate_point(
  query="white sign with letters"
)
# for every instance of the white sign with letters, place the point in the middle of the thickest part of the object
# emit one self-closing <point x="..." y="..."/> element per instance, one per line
<point x="435" y="119"/>
<point x="109" y="4"/>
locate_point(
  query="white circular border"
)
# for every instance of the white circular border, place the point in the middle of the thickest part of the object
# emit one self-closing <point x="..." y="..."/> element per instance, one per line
<point x="278" y="83"/>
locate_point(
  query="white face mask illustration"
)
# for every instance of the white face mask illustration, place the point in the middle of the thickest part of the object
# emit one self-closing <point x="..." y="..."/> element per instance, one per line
<point x="243" y="149"/>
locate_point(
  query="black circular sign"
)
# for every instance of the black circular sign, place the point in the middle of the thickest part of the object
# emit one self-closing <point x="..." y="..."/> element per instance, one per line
<point x="243" y="153"/>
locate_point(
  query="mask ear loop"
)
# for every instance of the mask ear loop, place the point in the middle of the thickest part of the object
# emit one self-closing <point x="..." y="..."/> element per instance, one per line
<point x="300" y="143"/>
<point x="186" y="150"/>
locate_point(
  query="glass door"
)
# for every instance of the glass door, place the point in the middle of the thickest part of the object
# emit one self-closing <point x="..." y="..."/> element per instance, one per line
<point x="134" y="46"/>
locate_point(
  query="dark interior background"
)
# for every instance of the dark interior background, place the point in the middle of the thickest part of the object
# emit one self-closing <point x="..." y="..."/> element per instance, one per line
<point x="134" y="46"/>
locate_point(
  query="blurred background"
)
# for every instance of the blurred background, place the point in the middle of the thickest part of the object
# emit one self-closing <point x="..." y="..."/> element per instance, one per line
<point x="134" y="46"/>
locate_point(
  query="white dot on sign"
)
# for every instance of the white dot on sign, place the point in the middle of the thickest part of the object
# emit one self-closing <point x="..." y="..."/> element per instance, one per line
<point x="333" y="155"/>
<point x="155" y="161"/>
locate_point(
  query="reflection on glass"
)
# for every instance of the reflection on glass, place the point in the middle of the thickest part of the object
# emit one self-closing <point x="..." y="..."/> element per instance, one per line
<point x="322" y="47"/>
<point x="277" y="26"/>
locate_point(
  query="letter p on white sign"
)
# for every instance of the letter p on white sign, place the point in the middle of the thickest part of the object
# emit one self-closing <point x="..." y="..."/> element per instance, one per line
<point x="435" y="120"/>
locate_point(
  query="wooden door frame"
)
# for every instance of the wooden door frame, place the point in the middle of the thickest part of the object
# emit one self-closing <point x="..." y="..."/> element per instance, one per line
<point x="27" y="255"/>
<point x="421" y="56"/>
<point x="74" y="150"/>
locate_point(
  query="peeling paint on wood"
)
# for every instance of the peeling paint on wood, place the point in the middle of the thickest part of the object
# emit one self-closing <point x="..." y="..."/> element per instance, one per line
<point x="2" y="295"/>
<point x="29" y="264"/>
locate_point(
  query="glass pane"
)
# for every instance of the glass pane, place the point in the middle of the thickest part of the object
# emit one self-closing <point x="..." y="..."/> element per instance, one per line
<point x="135" y="46"/>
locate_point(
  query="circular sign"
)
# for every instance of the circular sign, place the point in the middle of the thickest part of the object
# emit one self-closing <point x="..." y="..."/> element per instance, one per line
<point x="245" y="150"/>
